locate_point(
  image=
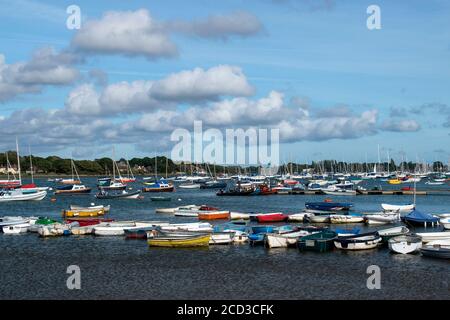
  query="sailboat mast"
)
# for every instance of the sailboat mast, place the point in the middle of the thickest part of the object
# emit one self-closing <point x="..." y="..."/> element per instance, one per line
<point x="18" y="161"/>
<point x="31" y="164"/>
<point x="167" y="165"/>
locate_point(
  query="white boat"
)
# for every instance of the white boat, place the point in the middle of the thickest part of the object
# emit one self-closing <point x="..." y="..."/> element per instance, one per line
<point x="275" y="240"/>
<point x="319" y="218"/>
<point x="173" y="210"/>
<point x="385" y="218"/>
<point x="21" y="195"/>
<point x="221" y="238"/>
<point x="195" y="226"/>
<point x="239" y="215"/>
<point x="187" y="213"/>
<point x="445" y="222"/>
<point x="189" y="186"/>
<point x="113" y="228"/>
<point x="395" y="231"/>
<point x="10" y="221"/>
<point x="398" y="208"/>
<point x="299" y="217"/>
<point x="54" y="230"/>
<point x="16" y="228"/>
<point x="433" y="236"/>
<point x="341" y="218"/>
<point x="335" y="191"/>
<point x="239" y="236"/>
<point x="358" y="242"/>
<point x="92" y="207"/>
<point x="434" y="183"/>
<point x="405" y="244"/>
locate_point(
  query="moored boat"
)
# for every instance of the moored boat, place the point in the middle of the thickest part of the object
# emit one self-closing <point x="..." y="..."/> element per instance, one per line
<point x="405" y="244"/>
<point x="437" y="249"/>
<point x="434" y="236"/>
<point x="383" y="218"/>
<point x="16" y="228"/>
<point x="340" y="218"/>
<point x="272" y="217"/>
<point x="399" y="208"/>
<point x="283" y="240"/>
<point x="329" y="206"/>
<point x="83" y="213"/>
<point x="213" y="215"/>
<point x="196" y="240"/>
<point x="417" y="218"/>
<point x="320" y="241"/>
<point x="362" y="241"/>
<point x="72" y="189"/>
<point x="445" y="222"/>
<point x="387" y="234"/>
<point x="118" y="195"/>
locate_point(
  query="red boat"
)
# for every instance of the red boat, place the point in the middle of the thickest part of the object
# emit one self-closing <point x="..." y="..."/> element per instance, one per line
<point x="207" y="208"/>
<point x="272" y="217"/>
<point x="84" y="222"/>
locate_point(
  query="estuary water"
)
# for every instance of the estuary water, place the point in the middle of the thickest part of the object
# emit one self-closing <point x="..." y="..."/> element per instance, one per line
<point x="114" y="268"/>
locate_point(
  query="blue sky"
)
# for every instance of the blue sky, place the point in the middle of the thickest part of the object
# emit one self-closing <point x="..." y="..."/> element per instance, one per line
<point x="318" y="51"/>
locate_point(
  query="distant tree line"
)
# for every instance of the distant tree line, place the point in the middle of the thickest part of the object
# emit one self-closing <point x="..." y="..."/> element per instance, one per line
<point x="148" y="166"/>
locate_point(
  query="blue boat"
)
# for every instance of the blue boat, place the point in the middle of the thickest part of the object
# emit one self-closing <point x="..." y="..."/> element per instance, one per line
<point x="418" y="218"/>
<point x="262" y="229"/>
<point x="328" y="206"/>
<point x="347" y="231"/>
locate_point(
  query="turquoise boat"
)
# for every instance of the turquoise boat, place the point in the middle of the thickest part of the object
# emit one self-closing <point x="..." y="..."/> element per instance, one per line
<point x="319" y="242"/>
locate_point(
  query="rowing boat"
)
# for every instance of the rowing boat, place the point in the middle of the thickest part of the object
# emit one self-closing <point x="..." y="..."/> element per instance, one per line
<point x="405" y="244"/>
<point x="283" y="240"/>
<point x="437" y="249"/>
<point x="93" y="207"/>
<point x="387" y="234"/>
<point x="271" y="217"/>
<point x="320" y="241"/>
<point x="340" y="218"/>
<point x="83" y="213"/>
<point x="383" y="218"/>
<point x="433" y="236"/>
<point x="358" y="242"/>
<point x="198" y="240"/>
<point x="16" y="229"/>
<point x="399" y="208"/>
<point x="213" y="215"/>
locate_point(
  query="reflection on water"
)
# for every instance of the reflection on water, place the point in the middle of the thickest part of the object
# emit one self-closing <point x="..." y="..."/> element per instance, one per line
<point x="33" y="267"/>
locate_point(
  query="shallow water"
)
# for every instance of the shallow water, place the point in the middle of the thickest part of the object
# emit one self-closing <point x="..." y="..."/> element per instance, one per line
<point x="115" y="268"/>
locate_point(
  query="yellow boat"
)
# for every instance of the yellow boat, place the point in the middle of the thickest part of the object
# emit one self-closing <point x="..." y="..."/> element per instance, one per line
<point x="83" y="213"/>
<point x="180" y="242"/>
<point x="394" y="181"/>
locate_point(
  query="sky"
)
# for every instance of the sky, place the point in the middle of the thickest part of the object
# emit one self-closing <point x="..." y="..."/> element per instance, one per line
<point x="137" y="70"/>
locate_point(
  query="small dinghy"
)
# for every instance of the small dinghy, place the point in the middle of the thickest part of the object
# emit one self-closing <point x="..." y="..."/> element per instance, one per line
<point x="118" y="195"/>
<point x="283" y="240"/>
<point x="436" y="249"/>
<point x="405" y="244"/>
<point x="417" y="218"/>
<point x="113" y="228"/>
<point x="92" y="207"/>
<point x="397" y="208"/>
<point x="272" y="217"/>
<point x="239" y="216"/>
<point x="434" y="236"/>
<point x="16" y="228"/>
<point x="299" y="217"/>
<point x="387" y="234"/>
<point x="328" y="206"/>
<point x="54" y="230"/>
<point x="363" y="241"/>
<point x="315" y="218"/>
<point x="320" y="242"/>
<point x="195" y="240"/>
<point x="195" y="226"/>
<point x="213" y="215"/>
<point x="347" y="232"/>
<point x="341" y="218"/>
<point x="384" y="218"/>
<point x="445" y="222"/>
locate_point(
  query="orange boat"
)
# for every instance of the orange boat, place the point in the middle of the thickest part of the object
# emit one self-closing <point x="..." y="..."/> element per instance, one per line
<point x="214" y="215"/>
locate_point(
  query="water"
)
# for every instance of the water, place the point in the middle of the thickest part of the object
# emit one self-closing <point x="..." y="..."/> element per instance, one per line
<point x="115" y="268"/>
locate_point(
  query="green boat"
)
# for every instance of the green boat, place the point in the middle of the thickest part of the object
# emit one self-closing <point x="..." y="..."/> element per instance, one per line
<point x="161" y="198"/>
<point x="45" y="221"/>
<point x="319" y="242"/>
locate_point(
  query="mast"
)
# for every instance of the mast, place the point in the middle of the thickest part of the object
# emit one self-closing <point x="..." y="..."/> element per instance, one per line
<point x="18" y="161"/>
<point x="31" y="164"/>
<point x="113" y="164"/>
<point x="167" y="166"/>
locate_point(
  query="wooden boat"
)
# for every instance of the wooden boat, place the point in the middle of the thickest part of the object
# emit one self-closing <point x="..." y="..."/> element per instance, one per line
<point x="217" y="237"/>
<point x="387" y="234"/>
<point x="16" y="228"/>
<point x="384" y="218"/>
<point x="160" y="198"/>
<point x="83" y="213"/>
<point x="319" y="218"/>
<point x="320" y="241"/>
<point x="283" y="240"/>
<point x="272" y="217"/>
<point x="417" y="218"/>
<point x="72" y="189"/>
<point x="398" y="208"/>
<point x="363" y="241"/>
<point x="299" y="217"/>
<point x="213" y="215"/>
<point x="93" y="207"/>
<point x="405" y="244"/>
<point x="436" y="249"/>
<point x="340" y="218"/>
<point x="445" y="222"/>
<point x="434" y="236"/>
<point x="329" y="206"/>
<point x="54" y="230"/>
<point x="140" y="233"/>
<point x="197" y="240"/>
<point x="118" y="195"/>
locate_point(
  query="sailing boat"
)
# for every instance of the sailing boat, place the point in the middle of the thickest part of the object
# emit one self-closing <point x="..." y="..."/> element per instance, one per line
<point x="112" y="183"/>
<point x="160" y="185"/>
<point x="32" y="185"/>
<point x="9" y="183"/>
<point x="74" y="188"/>
<point x="130" y="176"/>
<point x="20" y="194"/>
<point x="72" y="180"/>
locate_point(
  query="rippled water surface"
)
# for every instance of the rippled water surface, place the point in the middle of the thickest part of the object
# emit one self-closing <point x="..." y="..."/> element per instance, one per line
<point x="115" y="268"/>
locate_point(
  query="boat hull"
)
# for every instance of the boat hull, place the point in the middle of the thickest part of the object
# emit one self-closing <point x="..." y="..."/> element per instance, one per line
<point x="181" y="242"/>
